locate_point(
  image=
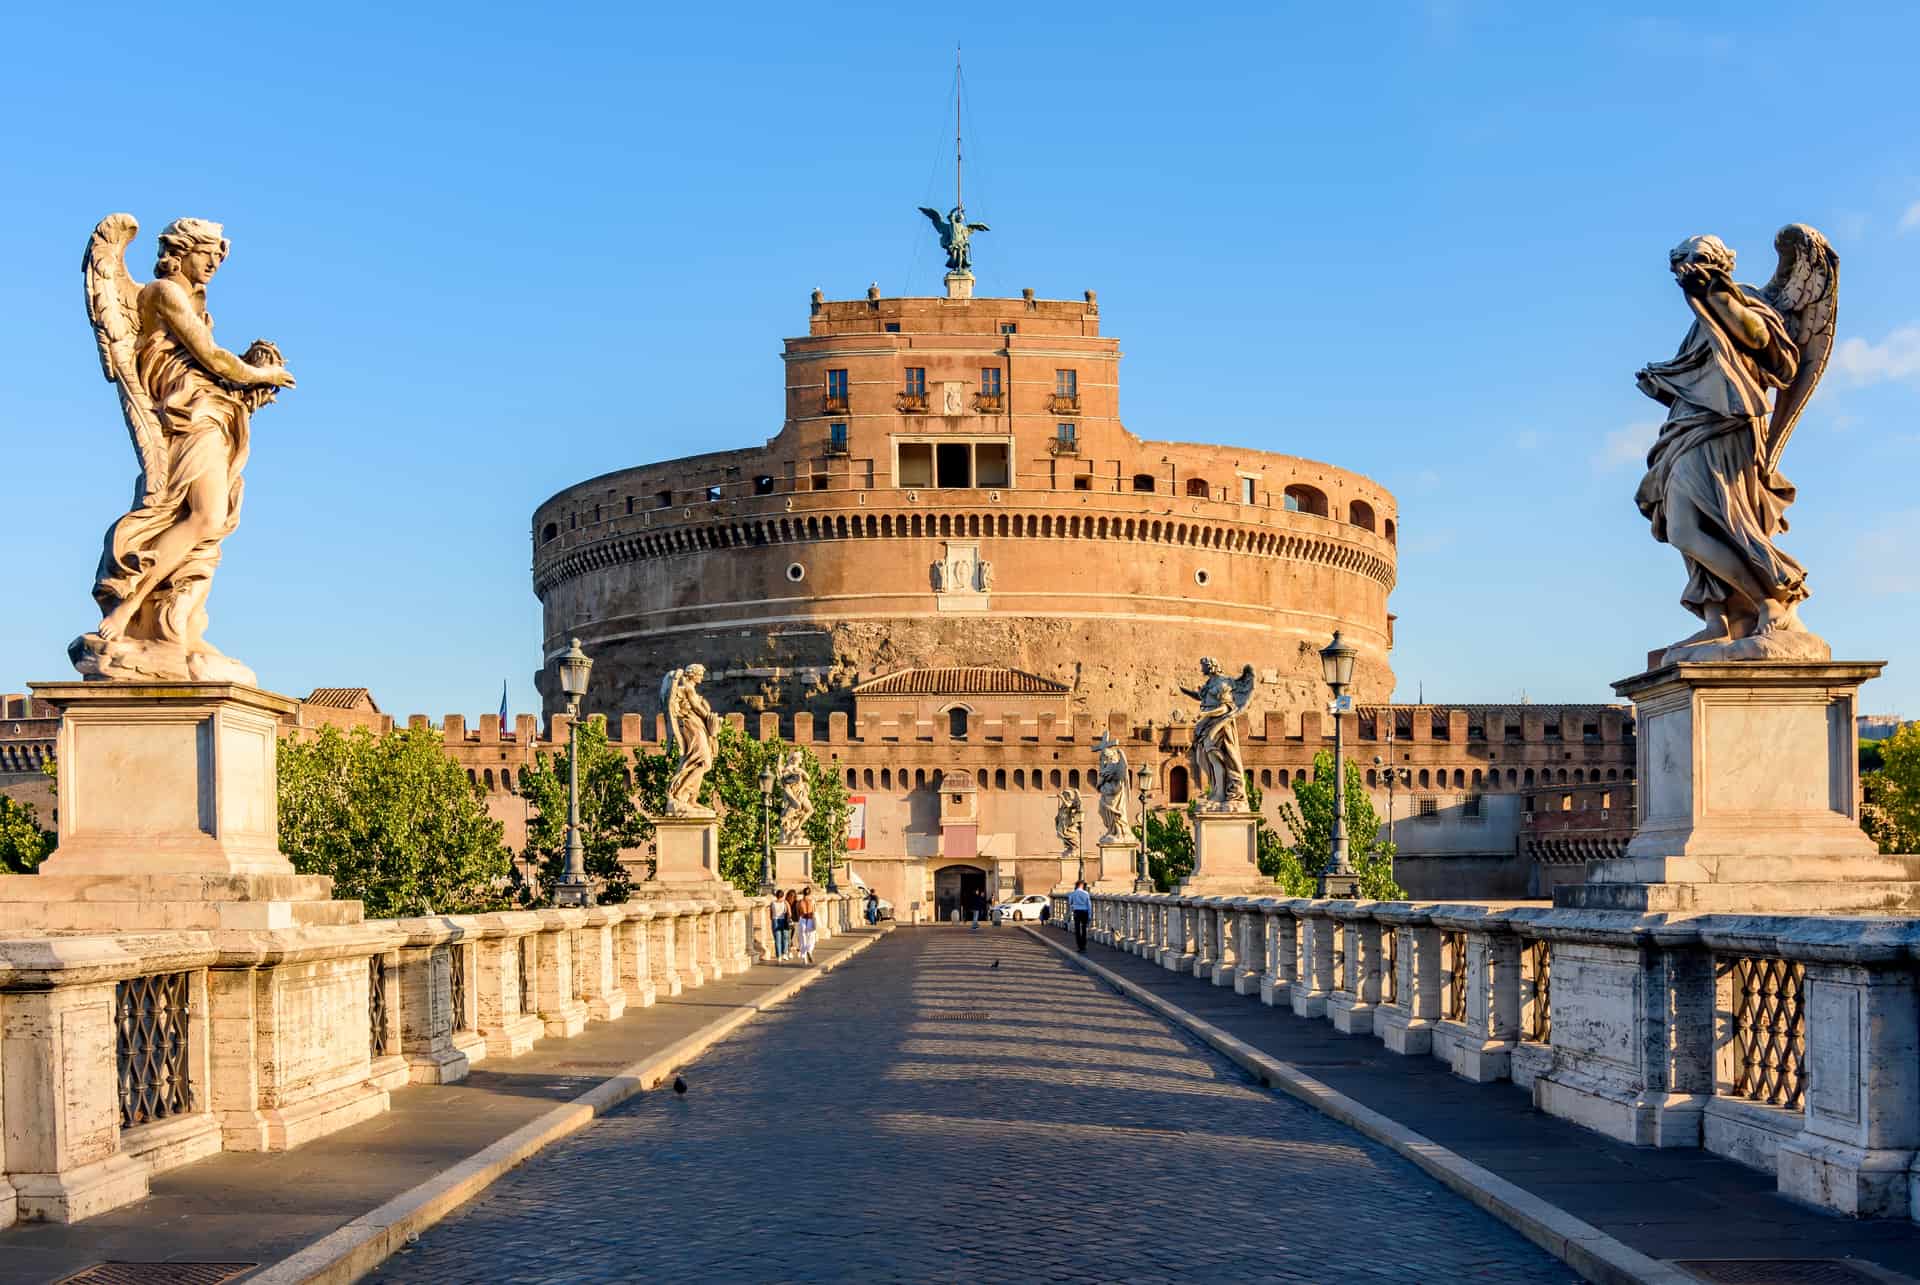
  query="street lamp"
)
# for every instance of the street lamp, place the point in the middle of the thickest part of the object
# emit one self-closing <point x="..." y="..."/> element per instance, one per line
<point x="1336" y="666"/>
<point x="833" y="845"/>
<point x="1143" y="786"/>
<point x="572" y="890"/>
<point x="766" y="831"/>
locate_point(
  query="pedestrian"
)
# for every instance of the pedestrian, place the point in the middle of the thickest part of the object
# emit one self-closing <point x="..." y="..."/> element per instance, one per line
<point x="803" y="916"/>
<point x="873" y="907"/>
<point x="1080" y="902"/>
<point x="782" y="923"/>
<point x="793" y="919"/>
<point x="976" y="903"/>
<point x="1046" y="911"/>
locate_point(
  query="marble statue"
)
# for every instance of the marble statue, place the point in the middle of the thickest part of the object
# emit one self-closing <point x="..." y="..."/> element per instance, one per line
<point x="955" y="233"/>
<point x="693" y="729"/>
<point x="986" y="576"/>
<point x="1115" y="783"/>
<point x="1713" y="488"/>
<point x="1219" y="770"/>
<point x="796" y="797"/>
<point x="187" y="402"/>
<point x="1066" y="824"/>
<point x="938" y="574"/>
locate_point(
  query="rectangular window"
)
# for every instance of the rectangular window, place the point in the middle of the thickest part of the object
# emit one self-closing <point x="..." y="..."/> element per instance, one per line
<point x="954" y="463"/>
<point x="819" y="481"/>
<point x="836" y="437"/>
<point x="1009" y="328"/>
<point x="1064" y="434"/>
<point x="837" y="385"/>
<point x="1246" y="490"/>
<point x="916" y="381"/>
<point x="990" y="465"/>
<point x="990" y="381"/>
<point x="713" y="493"/>
<point x="1066" y="383"/>
<point x="893" y="327"/>
<point x="763" y="485"/>
<point x="664" y="500"/>
<point x="629" y="506"/>
<point x="1292" y="502"/>
<point x="1472" y="806"/>
<point x="1082" y="483"/>
<point x="916" y="464"/>
<point x="1429" y="810"/>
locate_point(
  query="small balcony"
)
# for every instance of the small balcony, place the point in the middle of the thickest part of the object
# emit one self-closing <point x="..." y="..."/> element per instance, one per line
<point x="1063" y="404"/>
<point x="989" y="403"/>
<point x="1065" y="446"/>
<point x="910" y="403"/>
<point x="832" y="405"/>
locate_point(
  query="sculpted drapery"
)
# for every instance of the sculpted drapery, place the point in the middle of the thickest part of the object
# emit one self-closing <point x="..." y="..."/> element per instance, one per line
<point x="796" y="797"/>
<point x="694" y="729"/>
<point x="1219" y="769"/>
<point x="1115" y="783"/>
<point x="1713" y="489"/>
<point x="187" y="404"/>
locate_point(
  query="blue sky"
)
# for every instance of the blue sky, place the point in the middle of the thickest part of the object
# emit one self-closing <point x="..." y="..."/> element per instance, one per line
<point x="505" y="250"/>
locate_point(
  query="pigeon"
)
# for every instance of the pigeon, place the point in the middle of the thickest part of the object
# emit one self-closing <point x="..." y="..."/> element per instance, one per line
<point x="994" y="964"/>
<point x="679" y="1085"/>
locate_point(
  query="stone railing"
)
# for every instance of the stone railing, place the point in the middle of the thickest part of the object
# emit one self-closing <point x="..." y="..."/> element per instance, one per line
<point x="1788" y="1043"/>
<point x="124" y="1055"/>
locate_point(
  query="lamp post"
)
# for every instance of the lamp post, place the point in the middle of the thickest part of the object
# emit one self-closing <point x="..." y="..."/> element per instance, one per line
<point x="1394" y="774"/>
<point x="766" y="831"/>
<point x="1143" y="786"/>
<point x="1336" y="666"/>
<point x="572" y="890"/>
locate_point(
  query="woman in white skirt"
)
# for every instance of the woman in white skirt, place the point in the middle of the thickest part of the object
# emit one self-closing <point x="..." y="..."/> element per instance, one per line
<point x="803" y="922"/>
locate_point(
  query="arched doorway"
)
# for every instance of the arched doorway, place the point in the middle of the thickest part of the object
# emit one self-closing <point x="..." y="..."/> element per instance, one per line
<point x="1177" y="784"/>
<point x="956" y="888"/>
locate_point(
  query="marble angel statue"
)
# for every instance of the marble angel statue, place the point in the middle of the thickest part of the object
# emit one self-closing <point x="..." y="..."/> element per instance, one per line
<point x="796" y="797"/>
<point x="693" y="730"/>
<point x="1115" y="783"/>
<point x="1713" y="488"/>
<point x="1219" y="769"/>
<point x="1066" y="824"/>
<point x="187" y="402"/>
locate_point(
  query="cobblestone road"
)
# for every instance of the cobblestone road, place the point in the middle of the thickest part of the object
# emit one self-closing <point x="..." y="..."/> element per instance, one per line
<point x="922" y="1116"/>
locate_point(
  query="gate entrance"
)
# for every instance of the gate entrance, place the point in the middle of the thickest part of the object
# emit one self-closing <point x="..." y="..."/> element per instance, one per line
<point x="956" y="888"/>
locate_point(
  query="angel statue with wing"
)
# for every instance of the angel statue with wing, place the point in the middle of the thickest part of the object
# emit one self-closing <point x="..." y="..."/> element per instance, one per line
<point x="1066" y="824"/>
<point x="1115" y="784"/>
<point x="796" y="796"/>
<point x="693" y="729"/>
<point x="1219" y="770"/>
<point x="1713" y="488"/>
<point x="187" y="402"/>
<point x="955" y="232"/>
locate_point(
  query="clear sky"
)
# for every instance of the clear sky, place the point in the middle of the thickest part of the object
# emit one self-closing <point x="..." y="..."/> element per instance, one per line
<point x="507" y="249"/>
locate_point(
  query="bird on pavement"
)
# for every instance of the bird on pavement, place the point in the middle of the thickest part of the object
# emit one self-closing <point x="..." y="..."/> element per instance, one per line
<point x="994" y="964"/>
<point x="679" y="1085"/>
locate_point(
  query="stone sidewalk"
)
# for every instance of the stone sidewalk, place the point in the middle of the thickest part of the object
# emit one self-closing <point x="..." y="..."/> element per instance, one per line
<point x="1679" y="1205"/>
<point x="252" y="1208"/>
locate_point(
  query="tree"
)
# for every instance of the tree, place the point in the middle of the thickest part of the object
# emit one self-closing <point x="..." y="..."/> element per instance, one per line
<point x="393" y="821"/>
<point x="1169" y="845"/>
<point x="23" y="844"/>
<point x="1890" y="797"/>
<point x="611" y="816"/>
<point x="732" y="789"/>
<point x="1309" y="817"/>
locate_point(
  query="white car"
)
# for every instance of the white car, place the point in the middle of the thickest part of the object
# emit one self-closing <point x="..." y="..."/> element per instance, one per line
<point x="1027" y="907"/>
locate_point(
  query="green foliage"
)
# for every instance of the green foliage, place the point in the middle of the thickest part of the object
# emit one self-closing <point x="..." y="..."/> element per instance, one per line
<point x="1169" y="845"/>
<point x="1890" y="797"/>
<point x="392" y="820"/>
<point x="23" y="844"/>
<point x="732" y="789"/>
<point x="611" y="820"/>
<point x="1872" y="758"/>
<point x="1309" y="817"/>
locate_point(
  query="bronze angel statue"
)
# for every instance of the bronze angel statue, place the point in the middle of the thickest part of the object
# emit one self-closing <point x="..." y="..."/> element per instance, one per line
<point x="955" y="233"/>
<point x="1219" y="769"/>
<point x="187" y="402"/>
<point x="1713" y="488"/>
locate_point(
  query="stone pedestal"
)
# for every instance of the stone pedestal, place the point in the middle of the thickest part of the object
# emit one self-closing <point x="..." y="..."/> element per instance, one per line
<point x="1223" y="856"/>
<point x="686" y="861"/>
<point x="959" y="285"/>
<point x="792" y="865"/>
<point x="1118" y="865"/>
<point x="1749" y="796"/>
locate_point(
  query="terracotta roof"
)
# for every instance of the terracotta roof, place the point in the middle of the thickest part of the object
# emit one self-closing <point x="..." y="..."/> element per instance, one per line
<point x="342" y="698"/>
<point x="978" y="680"/>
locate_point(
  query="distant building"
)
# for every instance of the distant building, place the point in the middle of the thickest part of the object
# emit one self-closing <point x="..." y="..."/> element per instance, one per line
<point x="1877" y="727"/>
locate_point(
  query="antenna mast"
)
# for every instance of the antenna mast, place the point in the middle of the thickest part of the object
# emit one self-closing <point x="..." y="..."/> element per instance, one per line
<point x="959" y="201"/>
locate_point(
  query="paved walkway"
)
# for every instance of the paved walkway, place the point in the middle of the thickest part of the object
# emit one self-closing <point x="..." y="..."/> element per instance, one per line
<point x="922" y="1115"/>
<point x="1673" y="1204"/>
<point x="238" y="1207"/>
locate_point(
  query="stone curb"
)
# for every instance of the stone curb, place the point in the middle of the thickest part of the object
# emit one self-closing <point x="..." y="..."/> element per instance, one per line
<point x="352" y="1251"/>
<point x="1580" y="1245"/>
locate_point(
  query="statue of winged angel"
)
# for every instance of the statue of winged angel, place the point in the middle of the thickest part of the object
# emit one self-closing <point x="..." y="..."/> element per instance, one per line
<point x="1713" y="488"/>
<point x="1219" y="769"/>
<point x="956" y="234"/>
<point x="694" y="729"/>
<point x="187" y="402"/>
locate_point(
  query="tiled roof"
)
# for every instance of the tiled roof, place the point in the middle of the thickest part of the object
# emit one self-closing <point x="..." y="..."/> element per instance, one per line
<point x="342" y="698"/>
<point x="977" y="680"/>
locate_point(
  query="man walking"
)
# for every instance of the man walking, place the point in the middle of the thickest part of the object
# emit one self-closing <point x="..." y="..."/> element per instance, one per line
<point x="1080" y="902"/>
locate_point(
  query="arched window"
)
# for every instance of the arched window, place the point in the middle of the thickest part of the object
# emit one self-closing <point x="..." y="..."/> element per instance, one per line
<point x="1425" y="781"/>
<point x="1302" y="498"/>
<point x="1460" y="779"/>
<point x="1019" y="778"/>
<point x="1360" y="513"/>
<point x="1613" y="774"/>
<point x="1476" y="778"/>
<point x="1197" y="488"/>
<point x="919" y="777"/>
<point x="488" y="776"/>
<point x="1578" y="776"/>
<point x="1388" y="531"/>
<point x="850" y="775"/>
<point x="1266" y="778"/>
<point x="1529" y="777"/>
<point x="1073" y="778"/>
<point x="1177" y="784"/>
<point x="1143" y="481"/>
<point x="1054" y="778"/>
<point x="1000" y="779"/>
<point x="1563" y="776"/>
<point x="886" y="778"/>
<point x="549" y="533"/>
<point x="957" y="722"/>
<point x="980" y="778"/>
<point x="869" y="778"/>
<point x="1373" y="778"/>
<point x="1513" y="777"/>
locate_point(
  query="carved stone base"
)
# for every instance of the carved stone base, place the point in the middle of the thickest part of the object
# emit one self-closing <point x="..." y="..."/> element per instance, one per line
<point x="1118" y="865"/>
<point x="93" y="903"/>
<point x="1223" y="856"/>
<point x="147" y="660"/>
<point x="1784" y="644"/>
<point x="687" y="850"/>
<point x="792" y="864"/>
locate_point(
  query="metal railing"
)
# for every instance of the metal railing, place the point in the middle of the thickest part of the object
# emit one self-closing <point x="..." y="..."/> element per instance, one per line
<point x="1540" y="972"/>
<point x="377" y="1005"/>
<point x="152" y="1021"/>
<point x="912" y="403"/>
<point x="524" y="947"/>
<point x="457" y="985"/>
<point x="1389" y="964"/>
<point x="1453" y="960"/>
<point x="1769" y="1029"/>
<point x="1063" y="403"/>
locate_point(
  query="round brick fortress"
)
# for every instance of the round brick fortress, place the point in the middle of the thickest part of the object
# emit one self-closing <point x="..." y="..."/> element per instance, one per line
<point x="952" y="486"/>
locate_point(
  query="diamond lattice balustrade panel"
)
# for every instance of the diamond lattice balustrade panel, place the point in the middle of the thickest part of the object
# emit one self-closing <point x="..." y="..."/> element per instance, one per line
<point x="377" y="1005"/>
<point x="457" y="985"/>
<point x="152" y="1020"/>
<point x="1390" y="965"/>
<point x="1453" y="950"/>
<point x="1770" y="1031"/>
<point x="1540" y="963"/>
